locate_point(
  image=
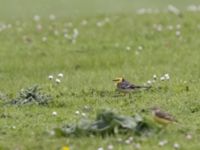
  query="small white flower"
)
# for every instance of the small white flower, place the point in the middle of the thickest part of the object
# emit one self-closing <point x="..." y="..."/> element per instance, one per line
<point x="189" y="136"/>
<point x="128" y="48"/>
<point x="154" y="76"/>
<point x="159" y="28"/>
<point x="9" y="26"/>
<point x="83" y="114"/>
<point x="173" y="9"/>
<point x="178" y="33"/>
<point x="75" y="33"/>
<point x="128" y="141"/>
<point x="77" y="112"/>
<point x="56" y="32"/>
<point x="66" y="36"/>
<point x="140" y="47"/>
<point x="192" y="8"/>
<point x="69" y="24"/>
<point x="107" y="19"/>
<point x="162" y="78"/>
<point x="178" y="26"/>
<point x="44" y="39"/>
<point x="141" y="11"/>
<point x="137" y="146"/>
<point x="38" y="27"/>
<point x="176" y="146"/>
<point x="100" y="24"/>
<point x="84" y="22"/>
<point x="60" y="75"/>
<point x="14" y="127"/>
<point x="36" y="18"/>
<point x="58" y="81"/>
<point x="130" y="138"/>
<point x="149" y="82"/>
<point x="54" y="113"/>
<point x="52" y="132"/>
<point x="137" y="53"/>
<point x="170" y="27"/>
<point x="50" y="77"/>
<point x="167" y="76"/>
<point x="116" y="44"/>
<point x="162" y="143"/>
<point x="110" y="147"/>
<point x="52" y="17"/>
<point x="100" y="148"/>
<point x="119" y="140"/>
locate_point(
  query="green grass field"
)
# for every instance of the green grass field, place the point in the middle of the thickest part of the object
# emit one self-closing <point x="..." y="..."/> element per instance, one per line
<point x="91" y="43"/>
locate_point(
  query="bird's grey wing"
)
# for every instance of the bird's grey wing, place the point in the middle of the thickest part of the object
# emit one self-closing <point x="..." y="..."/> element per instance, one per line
<point x="125" y="85"/>
<point x="165" y="115"/>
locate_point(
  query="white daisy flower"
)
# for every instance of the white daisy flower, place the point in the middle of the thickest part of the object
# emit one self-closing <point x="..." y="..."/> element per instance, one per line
<point x="50" y="77"/>
<point x="58" y="81"/>
<point x="54" y="113"/>
<point x="60" y="75"/>
<point x="162" y="78"/>
<point x="176" y="146"/>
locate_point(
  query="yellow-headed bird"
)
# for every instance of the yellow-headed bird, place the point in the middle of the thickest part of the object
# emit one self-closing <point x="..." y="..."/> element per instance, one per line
<point x="126" y="87"/>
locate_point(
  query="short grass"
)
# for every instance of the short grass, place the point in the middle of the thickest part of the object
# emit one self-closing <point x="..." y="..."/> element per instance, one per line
<point x="99" y="54"/>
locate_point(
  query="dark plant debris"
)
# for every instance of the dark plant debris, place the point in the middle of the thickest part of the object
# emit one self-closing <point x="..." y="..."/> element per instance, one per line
<point x="31" y="95"/>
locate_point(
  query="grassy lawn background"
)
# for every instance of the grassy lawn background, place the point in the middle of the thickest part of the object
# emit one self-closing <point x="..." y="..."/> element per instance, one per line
<point x="99" y="55"/>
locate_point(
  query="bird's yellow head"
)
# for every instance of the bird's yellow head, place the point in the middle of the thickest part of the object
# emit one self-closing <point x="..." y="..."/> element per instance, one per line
<point x="118" y="80"/>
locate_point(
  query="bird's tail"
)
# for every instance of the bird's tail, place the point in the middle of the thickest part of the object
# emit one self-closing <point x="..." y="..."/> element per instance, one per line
<point x="143" y="86"/>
